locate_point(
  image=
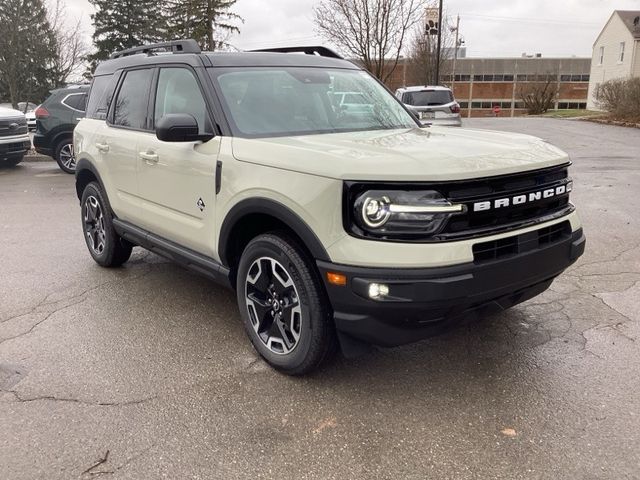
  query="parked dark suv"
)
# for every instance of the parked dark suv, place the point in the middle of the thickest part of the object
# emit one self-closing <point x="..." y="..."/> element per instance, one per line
<point x="55" y="120"/>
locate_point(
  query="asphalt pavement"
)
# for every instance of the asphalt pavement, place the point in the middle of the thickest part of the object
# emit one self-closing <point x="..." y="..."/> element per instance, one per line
<point x="145" y="371"/>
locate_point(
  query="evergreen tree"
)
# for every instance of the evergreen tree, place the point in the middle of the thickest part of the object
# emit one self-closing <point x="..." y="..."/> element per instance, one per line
<point x="121" y="24"/>
<point x="209" y="22"/>
<point x="27" y="52"/>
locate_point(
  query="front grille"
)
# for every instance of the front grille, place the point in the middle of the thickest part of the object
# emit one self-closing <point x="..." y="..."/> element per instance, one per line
<point x="14" y="148"/>
<point x="13" y="126"/>
<point x="508" y="247"/>
<point x="486" y="191"/>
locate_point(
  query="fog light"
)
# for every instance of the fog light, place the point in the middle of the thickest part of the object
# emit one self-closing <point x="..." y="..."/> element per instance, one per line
<point x="378" y="290"/>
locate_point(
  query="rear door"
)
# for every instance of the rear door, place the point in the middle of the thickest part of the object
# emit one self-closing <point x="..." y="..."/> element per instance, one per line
<point x="116" y="141"/>
<point x="177" y="179"/>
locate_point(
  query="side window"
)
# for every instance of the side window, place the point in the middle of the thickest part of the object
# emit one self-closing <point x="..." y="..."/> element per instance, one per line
<point x="99" y="97"/>
<point x="130" y="109"/>
<point x="75" y="101"/>
<point x="178" y="92"/>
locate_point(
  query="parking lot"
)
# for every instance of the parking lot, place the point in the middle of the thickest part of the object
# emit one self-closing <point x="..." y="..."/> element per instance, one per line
<point x="146" y="372"/>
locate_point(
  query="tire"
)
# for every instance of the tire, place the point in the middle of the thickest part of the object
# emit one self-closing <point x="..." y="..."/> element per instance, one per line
<point x="274" y="268"/>
<point x="64" y="156"/>
<point x="11" y="161"/>
<point x="104" y="244"/>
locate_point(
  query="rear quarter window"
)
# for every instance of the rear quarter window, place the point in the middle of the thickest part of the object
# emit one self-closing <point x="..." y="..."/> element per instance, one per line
<point x="76" y="101"/>
<point x="100" y="96"/>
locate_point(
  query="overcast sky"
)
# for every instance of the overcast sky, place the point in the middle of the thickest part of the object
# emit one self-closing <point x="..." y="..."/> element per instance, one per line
<point x="490" y="28"/>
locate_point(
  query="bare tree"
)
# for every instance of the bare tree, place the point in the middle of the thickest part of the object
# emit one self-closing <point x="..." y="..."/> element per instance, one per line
<point x="71" y="48"/>
<point x="373" y="31"/>
<point x="538" y="97"/>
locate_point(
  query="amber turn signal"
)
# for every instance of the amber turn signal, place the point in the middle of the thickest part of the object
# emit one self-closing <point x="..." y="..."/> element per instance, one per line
<point x="337" y="279"/>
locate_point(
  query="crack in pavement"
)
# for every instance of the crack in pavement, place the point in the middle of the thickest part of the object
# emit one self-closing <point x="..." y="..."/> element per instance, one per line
<point x="85" y="294"/>
<point x="126" y="463"/>
<point x="614" y="259"/>
<point x="51" y="398"/>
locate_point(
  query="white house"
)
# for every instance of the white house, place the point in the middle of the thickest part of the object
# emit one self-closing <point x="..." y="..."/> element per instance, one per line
<point x="616" y="51"/>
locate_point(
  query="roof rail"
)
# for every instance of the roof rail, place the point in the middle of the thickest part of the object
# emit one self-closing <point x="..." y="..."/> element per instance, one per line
<point x="175" y="46"/>
<point x="312" y="50"/>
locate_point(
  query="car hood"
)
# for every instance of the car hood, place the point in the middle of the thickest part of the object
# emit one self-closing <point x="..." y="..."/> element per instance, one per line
<point x="431" y="154"/>
<point x="10" y="113"/>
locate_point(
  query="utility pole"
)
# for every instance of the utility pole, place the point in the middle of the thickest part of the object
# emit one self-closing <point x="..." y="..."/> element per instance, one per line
<point x="455" y="54"/>
<point x="439" y="44"/>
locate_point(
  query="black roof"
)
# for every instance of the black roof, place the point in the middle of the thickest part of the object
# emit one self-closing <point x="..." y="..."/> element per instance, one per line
<point x="224" y="59"/>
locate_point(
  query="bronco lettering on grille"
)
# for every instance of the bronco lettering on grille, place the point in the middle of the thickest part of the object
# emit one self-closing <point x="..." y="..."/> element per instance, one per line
<point x="523" y="198"/>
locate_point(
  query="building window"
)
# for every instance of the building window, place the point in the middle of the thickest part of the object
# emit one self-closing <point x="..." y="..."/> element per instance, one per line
<point x="621" y="59"/>
<point x="601" y="56"/>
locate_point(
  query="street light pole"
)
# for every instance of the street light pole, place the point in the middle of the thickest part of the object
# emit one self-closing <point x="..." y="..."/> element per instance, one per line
<point x="439" y="44"/>
<point x="455" y="54"/>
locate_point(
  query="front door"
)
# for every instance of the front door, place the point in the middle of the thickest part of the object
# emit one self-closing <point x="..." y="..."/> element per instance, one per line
<point x="177" y="179"/>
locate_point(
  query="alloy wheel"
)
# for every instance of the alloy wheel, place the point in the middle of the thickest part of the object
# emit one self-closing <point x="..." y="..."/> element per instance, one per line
<point x="94" y="225"/>
<point x="273" y="304"/>
<point x="67" y="157"/>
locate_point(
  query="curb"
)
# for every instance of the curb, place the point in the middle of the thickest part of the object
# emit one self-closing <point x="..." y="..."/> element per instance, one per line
<point x="36" y="157"/>
<point x="617" y="123"/>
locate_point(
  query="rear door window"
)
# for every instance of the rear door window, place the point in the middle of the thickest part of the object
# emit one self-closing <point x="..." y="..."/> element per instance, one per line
<point x="130" y="107"/>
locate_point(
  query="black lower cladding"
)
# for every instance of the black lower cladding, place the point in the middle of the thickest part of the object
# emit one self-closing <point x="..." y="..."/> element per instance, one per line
<point x="15" y="148"/>
<point x="425" y="302"/>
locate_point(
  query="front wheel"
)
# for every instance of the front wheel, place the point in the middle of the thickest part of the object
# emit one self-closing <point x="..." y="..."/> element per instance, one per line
<point x="65" y="156"/>
<point x="11" y="161"/>
<point x="283" y="305"/>
<point x="104" y="244"/>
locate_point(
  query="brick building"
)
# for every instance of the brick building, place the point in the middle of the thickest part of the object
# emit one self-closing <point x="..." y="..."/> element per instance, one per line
<point x="480" y="84"/>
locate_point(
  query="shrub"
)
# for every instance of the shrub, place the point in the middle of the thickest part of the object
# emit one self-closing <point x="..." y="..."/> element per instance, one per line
<point x="538" y="97"/>
<point x="620" y="97"/>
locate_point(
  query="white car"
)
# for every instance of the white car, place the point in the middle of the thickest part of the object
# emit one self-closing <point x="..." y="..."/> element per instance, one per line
<point x="31" y="119"/>
<point x="14" y="136"/>
<point x="432" y="105"/>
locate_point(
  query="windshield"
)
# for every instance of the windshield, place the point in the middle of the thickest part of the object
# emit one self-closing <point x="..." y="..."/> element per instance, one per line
<point x="278" y="101"/>
<point x="426" y="98"/>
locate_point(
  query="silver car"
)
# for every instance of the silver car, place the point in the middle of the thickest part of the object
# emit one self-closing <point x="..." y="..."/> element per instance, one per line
<point x="433" y="105"/>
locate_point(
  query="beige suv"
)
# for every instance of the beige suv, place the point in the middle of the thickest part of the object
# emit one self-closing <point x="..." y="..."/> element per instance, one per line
<point x="334" y="228"/>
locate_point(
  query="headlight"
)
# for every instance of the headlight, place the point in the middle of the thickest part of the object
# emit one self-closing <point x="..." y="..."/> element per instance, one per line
<point x="400" y="214"/>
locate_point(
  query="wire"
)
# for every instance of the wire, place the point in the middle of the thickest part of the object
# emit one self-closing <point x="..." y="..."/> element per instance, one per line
<point x="528" y="20"/>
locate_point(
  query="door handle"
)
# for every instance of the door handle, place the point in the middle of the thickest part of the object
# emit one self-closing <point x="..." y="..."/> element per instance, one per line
<point x="149" y="157"/>
<point x="103" y="147"/>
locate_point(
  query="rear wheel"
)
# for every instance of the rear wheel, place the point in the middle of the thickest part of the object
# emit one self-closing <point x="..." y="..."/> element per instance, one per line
<point x="65" y="156"/>
<point x="283" y="305"/>
<point x="104" y="244"/>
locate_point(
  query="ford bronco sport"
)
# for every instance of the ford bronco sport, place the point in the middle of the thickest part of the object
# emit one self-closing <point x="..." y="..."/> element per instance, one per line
<point x="334" y="229"/>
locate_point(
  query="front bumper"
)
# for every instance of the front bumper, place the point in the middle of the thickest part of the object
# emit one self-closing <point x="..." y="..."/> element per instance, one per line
<point x="424" y="302"/>
<point x="14" y="147"/>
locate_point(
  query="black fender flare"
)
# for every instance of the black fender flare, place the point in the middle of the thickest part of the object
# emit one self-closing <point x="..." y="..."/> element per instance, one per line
<point x="277" y="210"/>
<point x="84" y="165"/>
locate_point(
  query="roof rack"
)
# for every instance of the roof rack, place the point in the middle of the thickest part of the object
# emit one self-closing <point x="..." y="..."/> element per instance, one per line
<point x="313" y="50"/>
<point x="175" y="46"/>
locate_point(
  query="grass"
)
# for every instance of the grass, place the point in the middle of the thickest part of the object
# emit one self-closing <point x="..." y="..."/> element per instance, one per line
<point x="571" y="113"/>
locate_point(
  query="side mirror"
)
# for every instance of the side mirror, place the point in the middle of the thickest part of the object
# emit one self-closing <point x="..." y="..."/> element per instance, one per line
<point x="179" y="127"/>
